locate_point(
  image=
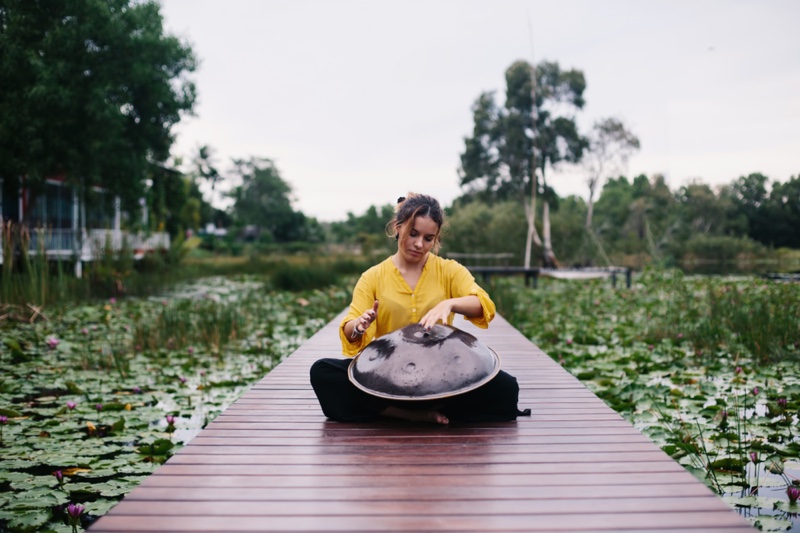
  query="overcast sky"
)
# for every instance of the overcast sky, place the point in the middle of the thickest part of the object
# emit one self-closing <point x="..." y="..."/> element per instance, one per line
<point x="358" y="101"/>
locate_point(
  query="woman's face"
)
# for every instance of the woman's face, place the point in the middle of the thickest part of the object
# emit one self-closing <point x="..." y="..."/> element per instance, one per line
<point x="415" y="246"/>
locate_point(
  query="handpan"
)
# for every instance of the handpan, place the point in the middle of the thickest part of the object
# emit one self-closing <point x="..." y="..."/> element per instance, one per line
<point x="412" y="363"/>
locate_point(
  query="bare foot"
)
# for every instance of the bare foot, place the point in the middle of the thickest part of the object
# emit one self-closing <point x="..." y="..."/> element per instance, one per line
<point x="416" y="415"/>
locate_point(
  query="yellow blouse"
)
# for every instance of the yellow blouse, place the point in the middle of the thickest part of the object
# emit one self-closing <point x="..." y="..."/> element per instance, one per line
<point x="399" y="306"/>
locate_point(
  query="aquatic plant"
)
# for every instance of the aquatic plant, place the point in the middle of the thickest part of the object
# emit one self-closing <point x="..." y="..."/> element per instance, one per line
<point x="708" y="393"/>
<point x="105" y="430"/>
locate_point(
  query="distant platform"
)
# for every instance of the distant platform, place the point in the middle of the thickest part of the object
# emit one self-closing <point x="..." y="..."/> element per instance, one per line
<point x="777" y="276"/>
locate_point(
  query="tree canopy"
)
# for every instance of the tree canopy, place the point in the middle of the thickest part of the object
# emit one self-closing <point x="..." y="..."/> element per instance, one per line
<point x="264" y="199"/>
<point x="533" y="131"/>
<point x="89" y="90"/>
<point x="497" y="158"/>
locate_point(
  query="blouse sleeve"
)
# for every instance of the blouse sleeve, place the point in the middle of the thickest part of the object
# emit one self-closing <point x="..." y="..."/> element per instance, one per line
<point x="363" y="299"/>
<point x="463" y="284"/>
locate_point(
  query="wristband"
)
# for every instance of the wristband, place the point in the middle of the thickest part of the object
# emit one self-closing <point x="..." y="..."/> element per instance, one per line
<point x="356" y="332"/>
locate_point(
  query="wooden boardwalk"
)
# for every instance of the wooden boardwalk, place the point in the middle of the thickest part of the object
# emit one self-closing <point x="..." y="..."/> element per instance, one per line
<point x="271" y="462"/>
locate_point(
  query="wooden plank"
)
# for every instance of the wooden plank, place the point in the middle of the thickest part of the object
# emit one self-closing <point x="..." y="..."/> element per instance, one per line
<point x="271" y="462"/>
<point x="151" y="491"/>
<point x="452" y="507"/>
<point x="719" y="520"/>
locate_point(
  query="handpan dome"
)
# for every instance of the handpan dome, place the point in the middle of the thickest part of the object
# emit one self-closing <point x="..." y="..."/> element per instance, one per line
<point x="412" y="363"/>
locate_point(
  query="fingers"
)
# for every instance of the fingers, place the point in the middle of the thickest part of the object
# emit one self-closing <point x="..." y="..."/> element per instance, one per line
<point x="369" y="316"/>
<point x="430" y="320"/>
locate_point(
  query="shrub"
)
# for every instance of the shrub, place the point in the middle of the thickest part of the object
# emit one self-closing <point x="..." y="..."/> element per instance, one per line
<point x="295" y="278"/>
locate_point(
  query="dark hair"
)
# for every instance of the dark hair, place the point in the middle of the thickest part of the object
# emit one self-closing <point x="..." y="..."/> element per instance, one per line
<point x="410" y="207"/>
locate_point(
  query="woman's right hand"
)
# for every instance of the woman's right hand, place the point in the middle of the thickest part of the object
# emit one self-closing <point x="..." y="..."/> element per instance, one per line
<point x="367" y="318"/>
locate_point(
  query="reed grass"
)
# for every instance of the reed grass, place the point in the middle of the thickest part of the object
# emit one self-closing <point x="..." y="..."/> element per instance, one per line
<point x="738" y="314"/>
<point x="28" y="279"/>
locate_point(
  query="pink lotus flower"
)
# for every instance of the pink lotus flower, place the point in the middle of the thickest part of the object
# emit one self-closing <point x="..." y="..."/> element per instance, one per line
<point x="59" y="476"/>
<point x="3" y="419"/>
<point x="793" y="493"/>
<point x="754" y="457"/>
<point x="182" y="379"/>
<point x="170" y="420"/>
<point x="782" y="403"/>
<point x="680" y="335"/>
<point x="84" y="331"/>
<point x="71" y="405"/>
<point x="74" y="511"/>
<point x="190" y="349"/>
<point x="755" y="391"/>
<point x="737" y="370"/>
<point x="112" y="300"/>
<point x="52" y="342"/>
<point x="99" y="407"/>
<point x="569" y="342"/>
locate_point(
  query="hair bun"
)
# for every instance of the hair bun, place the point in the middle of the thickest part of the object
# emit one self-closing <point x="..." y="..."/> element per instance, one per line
<point x="401" y="199"/>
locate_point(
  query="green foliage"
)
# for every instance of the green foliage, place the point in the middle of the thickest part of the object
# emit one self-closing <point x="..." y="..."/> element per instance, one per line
<point x="635" y="224"/>
<point x="496" y="164"/>
<point x="368" y="230"/>
<point x="189" y="355"/>
<point x="704" y="367"/>
<point x="288" y="277"/>
<point x="31" y="281"/>
<point x="28" y="278"/>
<point x="636" y="218"/>
<point x="264" y="200"/>
<point x="478" y="227"/>
<point x="89" y="89"/>
<point x="534" y="131"/>
<point x="568" y="230"/>
<point x="718" y="248"/>
<point x="771" y="218"/>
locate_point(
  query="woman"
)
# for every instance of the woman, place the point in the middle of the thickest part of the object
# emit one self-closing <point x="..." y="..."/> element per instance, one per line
<point x="413" y="285"/>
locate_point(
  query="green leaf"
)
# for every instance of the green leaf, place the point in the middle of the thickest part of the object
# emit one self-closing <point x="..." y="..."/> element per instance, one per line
<point x="768" y="523"/>
<point x="73" y="388"/>
<point x="32" y="520"/>
<point x="753" y="501"/>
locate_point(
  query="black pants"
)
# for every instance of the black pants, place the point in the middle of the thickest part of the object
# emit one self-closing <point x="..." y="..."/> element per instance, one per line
<point x="495" y="401"/>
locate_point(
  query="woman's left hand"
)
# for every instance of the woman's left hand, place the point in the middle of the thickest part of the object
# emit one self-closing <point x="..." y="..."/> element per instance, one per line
<point x="440" y="313"/>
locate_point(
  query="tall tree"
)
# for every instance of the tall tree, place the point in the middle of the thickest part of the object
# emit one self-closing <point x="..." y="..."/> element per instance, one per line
<point x="264" y="199"/>
<point x="205" y="166"/>
<point x="784" y="206"/>
<point x="750" y="197"/>
<point x="532" y="126"/>
<point x="701" y="210"/>
<point x="89" y="89"/>
<point x="610" y="146"/>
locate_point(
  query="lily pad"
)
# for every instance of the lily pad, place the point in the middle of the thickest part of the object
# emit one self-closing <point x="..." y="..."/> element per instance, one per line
<point x="769" y="523"/>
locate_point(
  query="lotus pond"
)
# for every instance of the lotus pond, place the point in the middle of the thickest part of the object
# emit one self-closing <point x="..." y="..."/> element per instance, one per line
<point x="706" y="367"/>
<point x="95" y="397"/>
